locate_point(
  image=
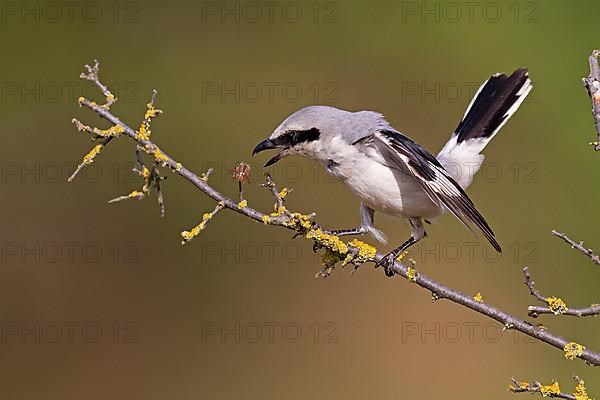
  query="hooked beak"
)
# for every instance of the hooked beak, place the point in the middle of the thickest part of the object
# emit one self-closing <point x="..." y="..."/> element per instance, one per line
<point x="264" y="145"/>
<point x="269" y="145"/>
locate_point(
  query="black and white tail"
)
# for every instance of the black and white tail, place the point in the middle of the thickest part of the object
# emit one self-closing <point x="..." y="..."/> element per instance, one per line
<point x="494" y="103"/>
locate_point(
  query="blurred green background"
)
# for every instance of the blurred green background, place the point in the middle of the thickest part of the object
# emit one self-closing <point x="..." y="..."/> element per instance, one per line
<point x="101" y="301"/>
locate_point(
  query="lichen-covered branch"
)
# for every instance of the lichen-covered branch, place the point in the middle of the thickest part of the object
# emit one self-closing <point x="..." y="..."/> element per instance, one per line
<point x="336" y="250"/>
<point x="592" y="85"/>
<point x="553" y="390"/>
<point x="555" y="305"/>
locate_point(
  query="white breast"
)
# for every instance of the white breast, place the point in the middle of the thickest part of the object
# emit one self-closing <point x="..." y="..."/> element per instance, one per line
<point x="379" y="187"/>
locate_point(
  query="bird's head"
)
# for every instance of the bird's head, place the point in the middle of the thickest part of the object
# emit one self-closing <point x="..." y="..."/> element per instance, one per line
<point x="306" y="132"/>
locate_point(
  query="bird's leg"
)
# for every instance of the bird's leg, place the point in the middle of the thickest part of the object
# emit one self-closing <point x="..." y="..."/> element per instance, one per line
<point x="418" y="233"/>
<point x="345" y="232"/>
<point x="366" y="225"/>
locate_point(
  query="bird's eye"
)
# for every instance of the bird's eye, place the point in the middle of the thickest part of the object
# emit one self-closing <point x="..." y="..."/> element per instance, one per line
<point x="303" y="136"/>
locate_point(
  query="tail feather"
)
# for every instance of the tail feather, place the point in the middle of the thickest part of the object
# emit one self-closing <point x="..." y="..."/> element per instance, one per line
<point x="494" y="103"/>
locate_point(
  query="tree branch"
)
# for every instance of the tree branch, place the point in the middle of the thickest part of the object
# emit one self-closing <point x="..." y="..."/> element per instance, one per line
<point x="552" y="390"/>
<point x="336" y="250"/>
<point x="592" y="84"/>
<point x="556" y="305"/>
<point x="579" y="246"/>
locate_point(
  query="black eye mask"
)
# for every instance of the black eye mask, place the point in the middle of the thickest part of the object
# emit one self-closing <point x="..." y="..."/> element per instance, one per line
<point x="292" y="138"/>
<point x="286" y="142"/>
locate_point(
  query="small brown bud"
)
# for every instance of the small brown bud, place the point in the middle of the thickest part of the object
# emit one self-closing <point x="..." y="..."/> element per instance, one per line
<point x="241" y="173"/>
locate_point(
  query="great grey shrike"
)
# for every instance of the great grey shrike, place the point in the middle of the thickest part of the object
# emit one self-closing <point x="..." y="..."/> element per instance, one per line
<point x="391" y="173"/>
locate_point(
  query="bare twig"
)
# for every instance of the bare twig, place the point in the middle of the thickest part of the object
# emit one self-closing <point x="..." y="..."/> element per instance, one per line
<point x="592" y="84"/>
<point x="300" y="223"/>
<point x="579" y="246"/>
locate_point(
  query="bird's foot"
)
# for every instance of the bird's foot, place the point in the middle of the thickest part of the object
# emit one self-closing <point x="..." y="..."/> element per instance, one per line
<point x="387" y="262"/>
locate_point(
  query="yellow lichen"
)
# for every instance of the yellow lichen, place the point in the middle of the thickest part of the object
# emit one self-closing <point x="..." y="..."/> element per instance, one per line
<point x="478" y="298"/>
<point x="242" y="204"/>
<point x="328" y="241"/>
<point x="573" y="350"/>
<point x="266" y="219"/>
<point x="299" y="222"/>
<point x="519" y="386"/>
<point x="178" y="167"/>
<point x="556" y="305"/>
<point x="580" y="391"/>
<point x="89" y="157"/>
<point x="144" y="132"/>
<point x="284" y="192"/>
<point x="549" y="390"/>
<point x="189" y="235"/>
<point x="113" y="131"/>
<point x="160" y="157"/>
<point x="366" y="252"/>
<point x="135" y="193"/>
<point x="280" y="210"/>
<point x="152" y="111"/>
<point x="195" y="231"/>
<point x="411" y="274"/>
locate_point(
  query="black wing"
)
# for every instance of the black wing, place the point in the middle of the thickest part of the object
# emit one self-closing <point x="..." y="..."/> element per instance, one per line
<point x="433" y="179"/>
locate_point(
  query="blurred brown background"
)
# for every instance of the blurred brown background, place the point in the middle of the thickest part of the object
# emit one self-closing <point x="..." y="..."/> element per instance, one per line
<point x="101" y="301"/>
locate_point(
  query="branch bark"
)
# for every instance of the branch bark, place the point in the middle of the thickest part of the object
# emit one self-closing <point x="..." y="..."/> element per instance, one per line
<point x="579" y="246"/>
<point x="283" y="219"/>
<point x="592" y="84"/>
<point x="556" y="305"/>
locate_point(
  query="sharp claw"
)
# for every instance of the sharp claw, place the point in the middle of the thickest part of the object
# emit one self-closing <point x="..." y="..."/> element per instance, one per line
<point x="387" y="262"/>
